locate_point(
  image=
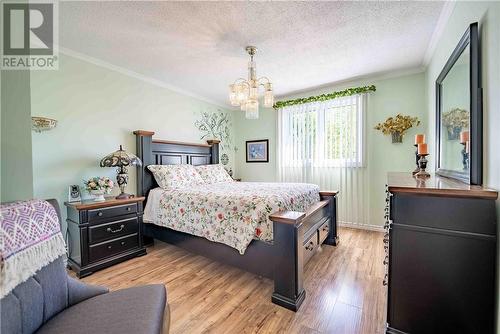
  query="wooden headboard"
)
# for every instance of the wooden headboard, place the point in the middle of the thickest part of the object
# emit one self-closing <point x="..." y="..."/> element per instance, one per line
<point x="162" y="152"/>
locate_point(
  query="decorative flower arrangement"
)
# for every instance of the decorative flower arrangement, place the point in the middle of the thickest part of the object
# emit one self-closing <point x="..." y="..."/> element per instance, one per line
<point x="98" y="186"/>
<point x="397" y="126"/>
<point x="455" y="120"/>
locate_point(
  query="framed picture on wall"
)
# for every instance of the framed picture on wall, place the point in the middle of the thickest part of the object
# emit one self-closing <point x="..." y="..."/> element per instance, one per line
<point x="257" y="150"/>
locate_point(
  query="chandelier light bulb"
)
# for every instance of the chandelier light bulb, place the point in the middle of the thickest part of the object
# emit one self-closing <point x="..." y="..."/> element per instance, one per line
<point x="232" y="95"/>
<point x="268" y="99"/>
<point x="252" y="109"/>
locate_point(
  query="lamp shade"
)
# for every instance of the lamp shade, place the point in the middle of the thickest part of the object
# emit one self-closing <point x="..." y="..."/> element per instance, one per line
<point x="120" y="158"/>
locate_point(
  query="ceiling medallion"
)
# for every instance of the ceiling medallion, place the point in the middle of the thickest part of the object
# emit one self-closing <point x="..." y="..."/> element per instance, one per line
<point x="245" y="93"/>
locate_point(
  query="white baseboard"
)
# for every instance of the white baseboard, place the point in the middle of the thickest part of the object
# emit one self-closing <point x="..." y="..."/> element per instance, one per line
<point x="359" y="226"/>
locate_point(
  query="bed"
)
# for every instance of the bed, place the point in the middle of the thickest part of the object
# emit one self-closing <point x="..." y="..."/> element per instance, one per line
<point x="270" y="229"/>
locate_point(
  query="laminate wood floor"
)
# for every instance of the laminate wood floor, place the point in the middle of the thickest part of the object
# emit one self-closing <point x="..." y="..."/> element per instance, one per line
<point x="344" y="292"/>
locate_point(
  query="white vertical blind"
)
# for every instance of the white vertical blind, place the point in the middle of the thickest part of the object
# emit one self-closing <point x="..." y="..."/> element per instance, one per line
<point x="323" y="143"/>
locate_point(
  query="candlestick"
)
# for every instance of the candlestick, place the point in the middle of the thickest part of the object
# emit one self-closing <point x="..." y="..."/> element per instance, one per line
<point x="465" y="155"/>
<point x="419" y="139"/>
<point x="422" y="149"/>
<point x="422" y="164"/>
<point x="464" y="137"/>
<point x="417" y="169"/>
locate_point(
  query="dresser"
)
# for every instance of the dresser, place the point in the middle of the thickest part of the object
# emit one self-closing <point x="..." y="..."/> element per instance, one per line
<point x="441" y="256"/>
<point x="101" y="234"/>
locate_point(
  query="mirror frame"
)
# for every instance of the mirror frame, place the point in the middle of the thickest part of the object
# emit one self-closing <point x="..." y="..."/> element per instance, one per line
<point x="475" y="175"/>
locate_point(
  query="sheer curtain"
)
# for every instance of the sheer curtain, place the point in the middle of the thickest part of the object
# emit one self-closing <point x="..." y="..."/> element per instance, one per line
<point x="324" y="143"/>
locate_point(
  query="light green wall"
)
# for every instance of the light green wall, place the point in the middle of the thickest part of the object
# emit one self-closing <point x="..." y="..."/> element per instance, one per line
<point x="254" y="129"/>
<point x="488" y="16"/>
<point x="403" y="94"/>
<point x="16" y="167"/>
<point x="97" y="109"/>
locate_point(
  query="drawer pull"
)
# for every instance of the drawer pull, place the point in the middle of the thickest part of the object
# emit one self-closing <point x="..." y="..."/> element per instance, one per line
<point x="109" y="246"/>
<point x="128" y="208"/>
<point x="110" y="230"/>
<point x="99" y="214"/>
<point x="310" y="246"/>
<point x="123" y="243"/>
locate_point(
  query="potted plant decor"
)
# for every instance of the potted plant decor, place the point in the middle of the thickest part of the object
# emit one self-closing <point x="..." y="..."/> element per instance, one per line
<point x="455" y="120"/>
<point x="98" y="186"/>
<point x="397" y="126"/>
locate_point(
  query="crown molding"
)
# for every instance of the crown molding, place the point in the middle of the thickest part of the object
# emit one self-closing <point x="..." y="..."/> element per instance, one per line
<point x="390" y="74"/>
<point x="442" y="21"/>
<point x="138" y="76"/>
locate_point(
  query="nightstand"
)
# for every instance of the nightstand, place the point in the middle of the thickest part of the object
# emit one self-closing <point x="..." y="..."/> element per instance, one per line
<point x="101" y="234"/>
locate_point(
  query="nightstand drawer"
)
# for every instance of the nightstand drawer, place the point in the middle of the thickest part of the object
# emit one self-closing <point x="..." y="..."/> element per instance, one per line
<point x="113" y="211"/>
<point x="114" y="229"/>
<point x="106" y="249"/>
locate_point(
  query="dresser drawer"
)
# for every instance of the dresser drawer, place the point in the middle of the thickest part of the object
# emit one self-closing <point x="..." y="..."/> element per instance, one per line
<point x="310" y="246"/>
<point x="114" y="211"/>
<point x="106" y="249"/>
<point x="323" y="231"/>
<point x="114" y="229"/>
<point x="447" y="213"/>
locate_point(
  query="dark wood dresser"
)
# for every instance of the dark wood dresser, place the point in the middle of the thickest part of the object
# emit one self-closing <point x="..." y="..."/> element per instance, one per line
<point x="441" y="256"/>
<point x="101" y="234"/>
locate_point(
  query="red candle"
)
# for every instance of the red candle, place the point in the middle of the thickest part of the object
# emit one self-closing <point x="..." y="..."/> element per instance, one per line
<point x="422" y="149"/>
<point x="464" y="137"/>
<point x="419" y="139"/>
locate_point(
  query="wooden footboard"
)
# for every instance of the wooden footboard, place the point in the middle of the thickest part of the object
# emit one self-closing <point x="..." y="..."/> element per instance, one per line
<point x="297" y="237"/>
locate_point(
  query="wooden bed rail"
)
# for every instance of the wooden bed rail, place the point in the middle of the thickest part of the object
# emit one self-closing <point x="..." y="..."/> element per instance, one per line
<point x="290" y="231"/>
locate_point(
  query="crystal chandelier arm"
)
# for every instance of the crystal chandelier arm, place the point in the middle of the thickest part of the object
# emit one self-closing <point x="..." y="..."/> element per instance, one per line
<point x="264" y="79"/>
<point x="241" y="80"/>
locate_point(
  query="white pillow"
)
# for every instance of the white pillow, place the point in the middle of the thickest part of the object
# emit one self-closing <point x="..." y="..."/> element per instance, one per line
<point x="175" y="176"/>
<point x="213" y="173"/>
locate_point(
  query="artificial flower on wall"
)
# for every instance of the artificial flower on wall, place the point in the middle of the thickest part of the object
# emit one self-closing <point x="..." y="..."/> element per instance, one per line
<point x="455" y="121"/>
<point x="397" y="126"/>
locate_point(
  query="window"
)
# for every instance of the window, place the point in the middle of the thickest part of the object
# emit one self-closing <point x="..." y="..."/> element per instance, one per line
<point x="322" y="134"/>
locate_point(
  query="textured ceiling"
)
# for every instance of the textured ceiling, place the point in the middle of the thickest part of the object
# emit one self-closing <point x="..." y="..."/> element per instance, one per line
<point x="199" y="46"/>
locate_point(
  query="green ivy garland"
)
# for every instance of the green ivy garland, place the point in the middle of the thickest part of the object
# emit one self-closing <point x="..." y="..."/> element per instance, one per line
<point x="325" y="97"/>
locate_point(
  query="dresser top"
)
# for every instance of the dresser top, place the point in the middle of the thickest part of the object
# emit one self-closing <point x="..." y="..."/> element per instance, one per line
<point x="110" y="201"/>
<point x="436" y="186"/>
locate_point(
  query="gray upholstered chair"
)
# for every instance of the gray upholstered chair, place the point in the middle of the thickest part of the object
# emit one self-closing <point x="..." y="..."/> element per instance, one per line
<point x="52" y="302"/>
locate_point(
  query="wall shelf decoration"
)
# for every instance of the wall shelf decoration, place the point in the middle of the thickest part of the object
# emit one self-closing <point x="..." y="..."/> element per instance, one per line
<point x="39" y="124"/>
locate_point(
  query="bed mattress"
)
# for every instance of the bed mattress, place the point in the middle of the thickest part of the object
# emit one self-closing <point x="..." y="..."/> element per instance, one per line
<point x="232" y="213"/>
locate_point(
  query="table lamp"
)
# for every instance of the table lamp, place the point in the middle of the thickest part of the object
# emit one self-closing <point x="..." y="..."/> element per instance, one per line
<point x="122" y="160"/>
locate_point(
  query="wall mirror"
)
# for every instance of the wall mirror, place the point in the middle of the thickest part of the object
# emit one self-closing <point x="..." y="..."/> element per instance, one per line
<point x="459" y="120"/>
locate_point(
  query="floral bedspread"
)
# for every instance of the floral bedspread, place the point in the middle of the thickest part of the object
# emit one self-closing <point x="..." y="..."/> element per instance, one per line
<point x="232" y="213"/>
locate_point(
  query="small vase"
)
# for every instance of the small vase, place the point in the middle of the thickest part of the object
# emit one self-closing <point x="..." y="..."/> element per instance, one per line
<point x="453" y="132"/>
<point x="98" y="195"/>
<point x="397" y="137"/>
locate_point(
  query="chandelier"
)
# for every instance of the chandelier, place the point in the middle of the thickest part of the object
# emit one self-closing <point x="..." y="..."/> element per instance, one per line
<point x="245" y="93"/>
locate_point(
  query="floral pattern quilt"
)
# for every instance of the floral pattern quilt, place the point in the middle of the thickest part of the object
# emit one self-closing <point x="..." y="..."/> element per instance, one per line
<point x="232" y="213"/>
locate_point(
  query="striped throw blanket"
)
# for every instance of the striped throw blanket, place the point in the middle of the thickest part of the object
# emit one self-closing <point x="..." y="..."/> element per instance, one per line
<point x="30" y="238"/>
